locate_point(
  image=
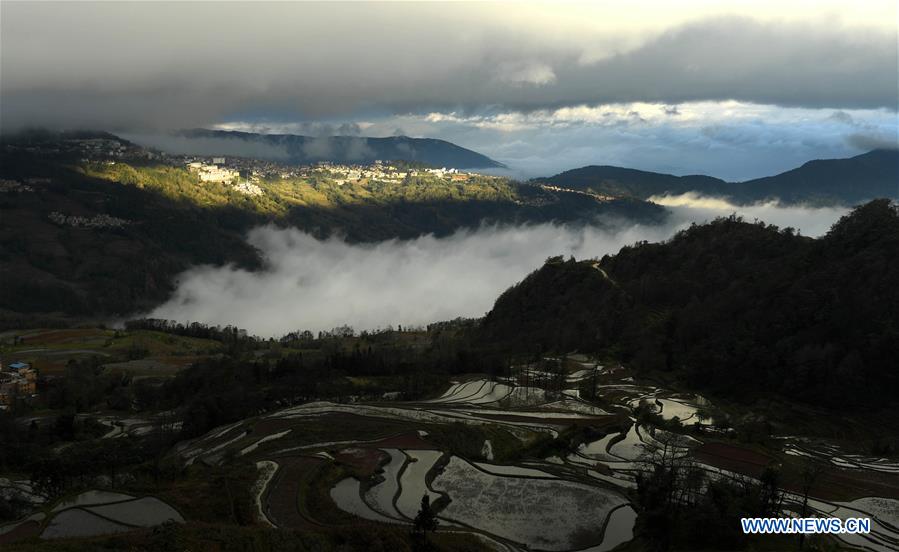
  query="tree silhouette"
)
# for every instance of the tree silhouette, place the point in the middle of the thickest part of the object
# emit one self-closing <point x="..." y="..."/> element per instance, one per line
<point x="426" y="519"/>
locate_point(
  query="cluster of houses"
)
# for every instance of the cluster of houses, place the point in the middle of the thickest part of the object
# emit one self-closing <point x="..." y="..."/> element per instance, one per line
<point x="246" y="173"/>
<point x="13" y="186"/>
<point x="348" y="173"/>
<point x="89" y="149"/>
<point x="216" y="170"/>
<point x="212" y="172"/>
<point x="99" y="146"/>
<point x="257" y="169"/>
<point x="383" y="172"/>
<point x="96" y="221"/>
<point x="105" y="148"/>
<point x="248" y="188"/>
<point x="340" y="174"/>
<point x="598" y="197"/>
<point x="443" y="172"/>
<point x="18" y="380"/>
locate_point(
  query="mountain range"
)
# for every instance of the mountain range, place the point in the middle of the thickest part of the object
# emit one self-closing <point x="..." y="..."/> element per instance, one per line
<point x="294" y="148"/>
<point x="819" y="182"/>
<point x="109" y="237"/>
<point x="846" y="181"/>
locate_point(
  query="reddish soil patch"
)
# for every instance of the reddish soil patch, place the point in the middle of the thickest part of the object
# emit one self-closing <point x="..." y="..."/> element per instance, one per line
<point x="733" y="458"/>
<point x="363" y="461"/>
<point x="23" y="531"/>
<point x="50" y="337"/>
<point x="845" y="485"/>
<point x="282" y="500"/>
<point x="343" y="426"/>
<point x="833" y="484"/>
<point x="561" y="422"/>
<point x="61" y="336"/>
<point x="225" y="437"/>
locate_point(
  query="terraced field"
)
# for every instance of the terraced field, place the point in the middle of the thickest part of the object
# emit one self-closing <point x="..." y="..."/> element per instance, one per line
<point x="387" y="458"/>
<point x="92" y="513"/>
<point x="483" y="452"/>
<point x="373" y="462"/>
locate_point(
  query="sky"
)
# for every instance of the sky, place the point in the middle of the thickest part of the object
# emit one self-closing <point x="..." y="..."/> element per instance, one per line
<point x="311" y="284"/>
<point x="734" y="89"/>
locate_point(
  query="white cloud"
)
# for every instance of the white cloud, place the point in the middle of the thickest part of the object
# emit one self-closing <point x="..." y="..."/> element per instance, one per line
<point x="731" y="140"/>
<point x="696" y="201"/>
<point x="320" y="284"/>
<point x="687" y="115"/>
<point x="810" y="221"/>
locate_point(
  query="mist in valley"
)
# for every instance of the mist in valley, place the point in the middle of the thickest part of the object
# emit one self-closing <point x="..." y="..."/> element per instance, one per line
<point x="312" y="284"/>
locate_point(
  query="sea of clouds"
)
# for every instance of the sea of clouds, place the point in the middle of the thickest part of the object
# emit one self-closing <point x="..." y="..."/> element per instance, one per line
<point x="312" y="284"/>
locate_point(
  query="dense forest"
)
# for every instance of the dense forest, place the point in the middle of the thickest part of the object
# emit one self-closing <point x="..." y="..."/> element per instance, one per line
<point x="731" y="306"/>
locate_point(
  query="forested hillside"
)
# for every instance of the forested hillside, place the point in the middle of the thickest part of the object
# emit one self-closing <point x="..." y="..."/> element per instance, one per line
<point x="733" y="306"/>
<point x="621" y="181"/>
<point x="849" y="181"/>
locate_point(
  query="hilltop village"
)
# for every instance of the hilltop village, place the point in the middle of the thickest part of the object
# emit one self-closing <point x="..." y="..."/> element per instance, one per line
<point x="243" y="174"/>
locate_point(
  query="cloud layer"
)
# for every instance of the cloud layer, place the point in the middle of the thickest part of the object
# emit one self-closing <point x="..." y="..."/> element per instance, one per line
<point x="115" y="65"/>
<point x="318" y="285"/>
<point x="732" y="140"/>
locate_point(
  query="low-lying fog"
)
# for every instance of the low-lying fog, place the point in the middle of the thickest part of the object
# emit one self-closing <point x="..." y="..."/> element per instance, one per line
<point x="311" y="284"/>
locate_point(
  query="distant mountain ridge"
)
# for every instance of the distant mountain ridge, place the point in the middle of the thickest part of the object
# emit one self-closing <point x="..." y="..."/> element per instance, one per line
<point x="824" y="181"/>
<point x="354" y="149"/>
<point x="863" y="177"/>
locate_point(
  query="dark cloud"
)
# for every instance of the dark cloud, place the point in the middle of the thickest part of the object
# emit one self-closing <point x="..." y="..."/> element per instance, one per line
<point x="167" y="65"/>
<point x="842" y="117"/>
<point x="866" y="136"/>
<point x="177" y="144"/>
<point x="746" y="60"/>
<point x="866" y="142"/>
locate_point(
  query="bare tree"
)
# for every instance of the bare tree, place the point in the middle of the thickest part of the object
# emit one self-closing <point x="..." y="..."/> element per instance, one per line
<point x="811" y="472"/>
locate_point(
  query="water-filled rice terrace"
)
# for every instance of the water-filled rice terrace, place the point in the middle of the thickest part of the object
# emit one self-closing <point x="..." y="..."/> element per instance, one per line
<point x="524" y="461"/>
<point x="337" y="464"/>
<point x="92" y="513"/>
